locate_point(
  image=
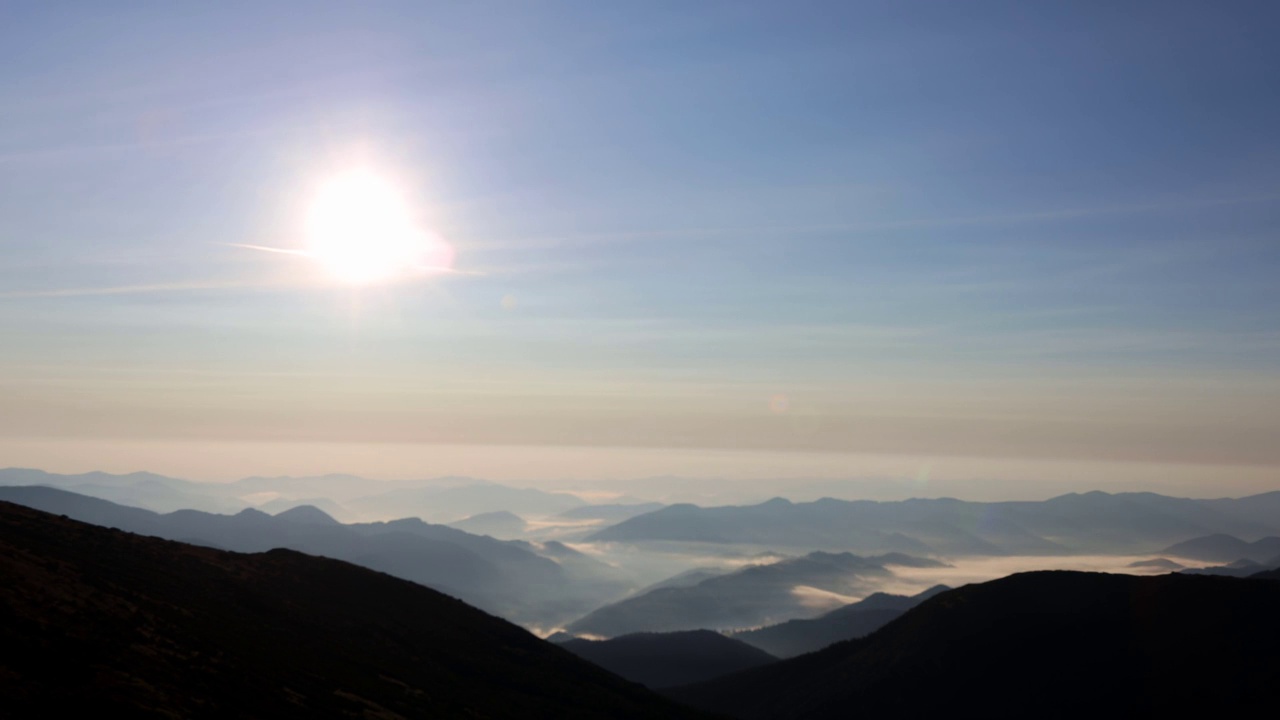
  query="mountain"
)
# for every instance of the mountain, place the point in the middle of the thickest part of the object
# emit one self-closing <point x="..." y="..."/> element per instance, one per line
<point x="1243" y="567"/>
<point x="748" y="597"/>
<point x="1042" y="644"/>
<point x="1070" y="524"/>
<point x="1158" y="564"/>
<point x="499" y="524"/>
<point x="307" y="515"/>
<point x="343" y="496"/>
<point x="140" y="489"/>
<point x="668" y="659"/>
<point x="100" y="622"/>
<point x="797" y="637"/>
<point x="506" y="578"/>
<point x="1225" y="548"/>
<point x="279" y="505"/>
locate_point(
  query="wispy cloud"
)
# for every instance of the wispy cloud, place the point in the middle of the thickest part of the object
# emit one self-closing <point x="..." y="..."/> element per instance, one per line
<point x="135" y="289"/>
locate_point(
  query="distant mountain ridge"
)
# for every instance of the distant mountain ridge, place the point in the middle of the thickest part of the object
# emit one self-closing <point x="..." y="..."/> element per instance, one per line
<point x="1069" y="524"/>
<point x="1221" y="547"/>
<point x="443" y="499"/>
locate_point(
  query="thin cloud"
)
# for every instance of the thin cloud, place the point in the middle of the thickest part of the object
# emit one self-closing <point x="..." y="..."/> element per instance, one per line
<point x="268" y="248"/>
<point x="433" y="269"/>
<point x="133" y="289"/>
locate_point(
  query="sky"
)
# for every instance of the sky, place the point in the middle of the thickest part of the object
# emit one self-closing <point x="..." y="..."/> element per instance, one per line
<point x="726" y="238"/>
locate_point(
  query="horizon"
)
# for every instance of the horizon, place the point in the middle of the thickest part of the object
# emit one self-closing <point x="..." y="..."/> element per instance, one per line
<point x="709" y="491"/>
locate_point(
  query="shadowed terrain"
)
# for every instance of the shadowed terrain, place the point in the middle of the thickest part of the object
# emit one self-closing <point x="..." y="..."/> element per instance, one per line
<point x="1041" y="644"/>
<point x="507" y="578"/>
<point x="98" y="622"/>
<point x="797" y="637"/>
<point x="669" y="659"/>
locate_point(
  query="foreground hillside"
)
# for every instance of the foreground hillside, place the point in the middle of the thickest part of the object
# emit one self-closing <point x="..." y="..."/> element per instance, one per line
<point x="96" y="622"/>
<point x="1061" y="644"/>
<point x="660" y="660"/>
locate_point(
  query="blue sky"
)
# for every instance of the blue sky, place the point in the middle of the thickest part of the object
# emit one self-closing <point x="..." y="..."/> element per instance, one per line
<point x="986" y="229"/>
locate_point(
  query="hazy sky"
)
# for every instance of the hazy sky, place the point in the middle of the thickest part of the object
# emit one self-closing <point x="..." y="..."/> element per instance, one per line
<point x="1003" y="230"/>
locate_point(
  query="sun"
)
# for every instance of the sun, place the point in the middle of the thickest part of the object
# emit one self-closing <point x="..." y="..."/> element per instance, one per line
<point x="361" y="230"/>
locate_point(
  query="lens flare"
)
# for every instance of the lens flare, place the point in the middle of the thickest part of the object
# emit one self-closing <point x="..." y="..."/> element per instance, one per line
<point x="361" y="231"/>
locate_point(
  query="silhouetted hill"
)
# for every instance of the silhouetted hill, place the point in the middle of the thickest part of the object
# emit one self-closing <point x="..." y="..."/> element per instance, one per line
<point x="1225" y="548"/>
<point x="668" y="659"/>
<point x="1076" y="523"/>
<point x="749" y="597"/>
<point x="1243" y="567"/>
<point x="506" y="578"/>
<point x="1043" y="644"/>
<point x="140" y="489"/>
<point x="499" y="524"/>
<point x="797" y="637"/>
<point x="308" y="514"/>
<point x="1158" y="564"/>
<point x="325" y="505"/>
<point x="102" y="623"/>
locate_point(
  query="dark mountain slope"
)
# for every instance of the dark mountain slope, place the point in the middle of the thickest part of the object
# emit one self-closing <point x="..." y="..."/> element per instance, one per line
<point x="797" y="637"/>
<point x="1044" y="644"/>
<point x="670" y="659"/>
<point x="97" y="622"/>
<point x="501" y="577"/>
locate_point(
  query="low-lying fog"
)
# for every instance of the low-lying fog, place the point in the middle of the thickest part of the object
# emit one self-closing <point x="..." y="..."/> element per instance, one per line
<point x="909" y="581"/>
<point x="654" y="562"/>
<point x="650" y="564"/>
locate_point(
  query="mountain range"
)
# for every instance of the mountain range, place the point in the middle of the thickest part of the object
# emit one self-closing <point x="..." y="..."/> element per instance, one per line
<point x="102" y="623"/>
<point x="748" y="597"/>
<point x="1094" y="522"/>
<point x="348" y="497"/>
<point x="511" y="579"/>
<point x="1226" y="548"/>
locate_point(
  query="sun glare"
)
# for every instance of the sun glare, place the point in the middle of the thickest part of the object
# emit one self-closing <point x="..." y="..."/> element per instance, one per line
<point x="362" y="231"/>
